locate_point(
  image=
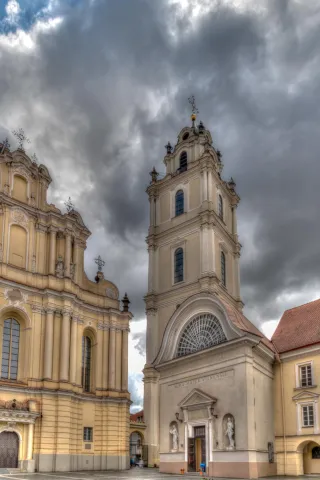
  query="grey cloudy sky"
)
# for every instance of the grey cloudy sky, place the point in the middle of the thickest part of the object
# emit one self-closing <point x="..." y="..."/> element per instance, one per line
<point x="100" y="86"/>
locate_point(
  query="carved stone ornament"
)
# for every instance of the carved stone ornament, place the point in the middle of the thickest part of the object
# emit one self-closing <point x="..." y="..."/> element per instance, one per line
<point x="19" y="217"/>
<point x="111" y="293"/>
<point x="15" y="297"/>
<point x="72" y="270"/>
<point x="60" y="267"/>
<point x="21" y="170"/>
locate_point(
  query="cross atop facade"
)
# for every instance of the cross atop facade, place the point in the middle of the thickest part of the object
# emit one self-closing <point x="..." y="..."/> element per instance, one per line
<point x="69" y="205"/>
<point x="192" y="101"/>
<point x="21" y="137"/>
<point x="101" y="263"/>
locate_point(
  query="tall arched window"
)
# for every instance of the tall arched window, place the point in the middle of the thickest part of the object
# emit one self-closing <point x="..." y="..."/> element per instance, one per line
<point x="178" y="265"/>
<point x="10" y="349"/>
<point x="179" y="202"/>
<point x="223" y="269"/>
<point x="220" y="208"/>
<point x="86" y="363"/>
<point x="183" y="162"/>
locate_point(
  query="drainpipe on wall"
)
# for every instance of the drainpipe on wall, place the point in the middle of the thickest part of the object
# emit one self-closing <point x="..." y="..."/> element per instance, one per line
<point x="283" y="419"/>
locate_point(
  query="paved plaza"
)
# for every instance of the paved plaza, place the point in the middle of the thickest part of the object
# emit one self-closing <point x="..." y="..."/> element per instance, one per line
<point x="133" y="473"/>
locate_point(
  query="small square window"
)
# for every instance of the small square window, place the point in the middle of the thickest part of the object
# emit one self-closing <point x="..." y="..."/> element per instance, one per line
<point x="307" y="416"/>
<point x="305" y="375"/>
<point x="87" y="434"/>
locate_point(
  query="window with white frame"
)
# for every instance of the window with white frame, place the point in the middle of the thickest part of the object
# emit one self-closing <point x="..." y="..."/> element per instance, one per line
<point x="305" y="375"/>
<point x="307" y="415"/>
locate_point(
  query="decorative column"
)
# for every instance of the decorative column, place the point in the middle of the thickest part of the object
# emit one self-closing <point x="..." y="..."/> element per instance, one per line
<point x="204" y="181"/>
<point x="65" y="347"/>
<point x="234" y="219"/>
<point x="30" y="441"/>
<point x="236" y="275"/>
<point x="105" y="361"/>
<point x="210" y="185"/>
<point x="73" y="350"/>
<point x="152" y="210"/>
<point x="118" y="359"/>
<point x="211" y="250"/>
<point x="151" y="250"/>
<point x="152" y="413"/>
<point x="48" y="345"/>
<point x="53" y="247"/>
<point x="124" y="373"/>
<point x="112" y="358"/>
<point x="68" y="253"/>
<point x="99" y="356"/>
<point x="204" y="248"/>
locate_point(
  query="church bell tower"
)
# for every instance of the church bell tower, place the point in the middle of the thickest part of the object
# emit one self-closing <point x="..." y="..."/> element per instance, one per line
<point x="193" y="247"/>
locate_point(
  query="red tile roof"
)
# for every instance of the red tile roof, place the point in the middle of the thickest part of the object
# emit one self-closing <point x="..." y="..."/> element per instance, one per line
<point x="134" y="416"/>
<point x="240" y="321"/>
<point x="298" y="327"/>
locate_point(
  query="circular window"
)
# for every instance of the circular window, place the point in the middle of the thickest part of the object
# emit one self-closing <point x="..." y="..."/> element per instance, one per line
<point x="185" y="136"/>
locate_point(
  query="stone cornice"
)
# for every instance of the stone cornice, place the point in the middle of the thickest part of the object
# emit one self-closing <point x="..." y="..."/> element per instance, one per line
<point x="18" y="416"/>
<point x="62" y="393"/>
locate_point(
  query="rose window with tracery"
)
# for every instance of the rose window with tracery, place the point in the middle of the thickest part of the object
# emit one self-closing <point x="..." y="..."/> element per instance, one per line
<point x="204" y="331"/>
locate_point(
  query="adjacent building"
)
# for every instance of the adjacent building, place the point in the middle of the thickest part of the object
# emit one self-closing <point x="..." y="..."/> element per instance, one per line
<point x="138" y="447"/>
<point x="64" y="401"/>
<point x="208" y="378"/>
<point x="297" y="391"/>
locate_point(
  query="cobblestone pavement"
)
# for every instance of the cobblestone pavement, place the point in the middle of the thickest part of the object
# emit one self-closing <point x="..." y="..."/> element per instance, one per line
<point x="133" y="473"/>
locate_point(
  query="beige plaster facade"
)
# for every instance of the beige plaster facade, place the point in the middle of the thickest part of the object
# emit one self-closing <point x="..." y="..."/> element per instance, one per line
<point x="208" y="377"/>
<point x="63" y="339"/>
<point x="297" y="445"/>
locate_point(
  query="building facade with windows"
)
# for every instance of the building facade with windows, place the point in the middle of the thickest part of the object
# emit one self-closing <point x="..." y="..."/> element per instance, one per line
<point x="297" y="391"/>
<point x="64" y="401"/>
<point x="208" y="375"/>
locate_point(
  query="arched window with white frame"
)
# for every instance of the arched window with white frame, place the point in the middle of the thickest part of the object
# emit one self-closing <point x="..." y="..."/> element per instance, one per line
<point x="223" y="269"/>
<point x="178" y="265"/>
<point x="183" y="164"/>
<point x="220" y="207"/>
<point x="10" y="349"/>
<point x="179" y="203"/>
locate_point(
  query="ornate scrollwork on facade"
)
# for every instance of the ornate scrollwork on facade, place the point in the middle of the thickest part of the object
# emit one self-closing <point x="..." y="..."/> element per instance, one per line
<point x="111" y="293"/>
<point x="15" y="297"/>
<point x="21" y="170"/>
<point x="19" y="217"/>
<point x="203" y="331"/>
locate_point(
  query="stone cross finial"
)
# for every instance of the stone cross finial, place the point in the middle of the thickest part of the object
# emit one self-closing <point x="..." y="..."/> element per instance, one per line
<point x="101" y="263"/>
<point x="21" y="137"/>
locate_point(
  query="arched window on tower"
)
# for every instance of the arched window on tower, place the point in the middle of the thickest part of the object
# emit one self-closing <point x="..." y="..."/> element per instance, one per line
<point x="178" y="265"/>
<point x="183" y="162"/>
<point x="179" y="202"/>
<point x="10" y="349"/>
<point x="223" y="269"/>
<point x="86" y="363"/>
<point x="220" y="207"/>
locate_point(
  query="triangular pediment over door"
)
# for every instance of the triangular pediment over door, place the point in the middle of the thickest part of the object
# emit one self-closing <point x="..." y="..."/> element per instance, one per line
<point x="197" y="398"/>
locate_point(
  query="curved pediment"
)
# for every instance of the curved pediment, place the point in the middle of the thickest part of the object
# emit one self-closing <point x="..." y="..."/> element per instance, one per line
<point x="192" y="307"/>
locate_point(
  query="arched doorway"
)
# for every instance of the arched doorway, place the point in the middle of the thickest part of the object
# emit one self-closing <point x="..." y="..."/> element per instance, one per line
<point x="136" y="448"/>
<point x="311" y="458"/>
<point x="9" y="450"/>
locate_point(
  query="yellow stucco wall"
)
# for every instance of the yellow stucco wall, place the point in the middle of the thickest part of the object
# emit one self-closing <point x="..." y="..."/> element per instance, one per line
<point x="294" y="442"/>
<point x="55" y="304"/>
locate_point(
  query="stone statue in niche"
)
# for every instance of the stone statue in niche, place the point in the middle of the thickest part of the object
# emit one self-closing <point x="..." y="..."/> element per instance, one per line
<point x="175" y="436"/>
<point x="229" y="432"/>
<point x="72" y="270"/>
<point x="60" y="267"/>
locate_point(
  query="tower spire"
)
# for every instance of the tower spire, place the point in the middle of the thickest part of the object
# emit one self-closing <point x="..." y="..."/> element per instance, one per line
<point x="194" y="109"/>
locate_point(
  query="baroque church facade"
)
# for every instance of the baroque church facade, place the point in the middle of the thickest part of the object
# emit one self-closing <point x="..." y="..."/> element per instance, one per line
<point x="64" y="400"/>
<point x="208" y="378"/>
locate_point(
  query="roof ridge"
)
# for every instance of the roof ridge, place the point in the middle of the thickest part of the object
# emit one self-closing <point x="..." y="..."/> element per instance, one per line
<point x="302" y="305"/>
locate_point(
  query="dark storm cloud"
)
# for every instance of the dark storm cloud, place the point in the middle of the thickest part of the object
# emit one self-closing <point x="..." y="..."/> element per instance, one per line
<point x="106" y="89"/>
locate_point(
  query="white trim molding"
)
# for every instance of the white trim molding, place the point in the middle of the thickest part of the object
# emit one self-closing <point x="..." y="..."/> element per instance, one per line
<point x="297" y="372"/>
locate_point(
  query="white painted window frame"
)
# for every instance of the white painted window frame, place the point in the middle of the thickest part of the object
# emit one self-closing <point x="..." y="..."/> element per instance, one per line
<point x="297" y="372"/>
<point x="299" y="414"/>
